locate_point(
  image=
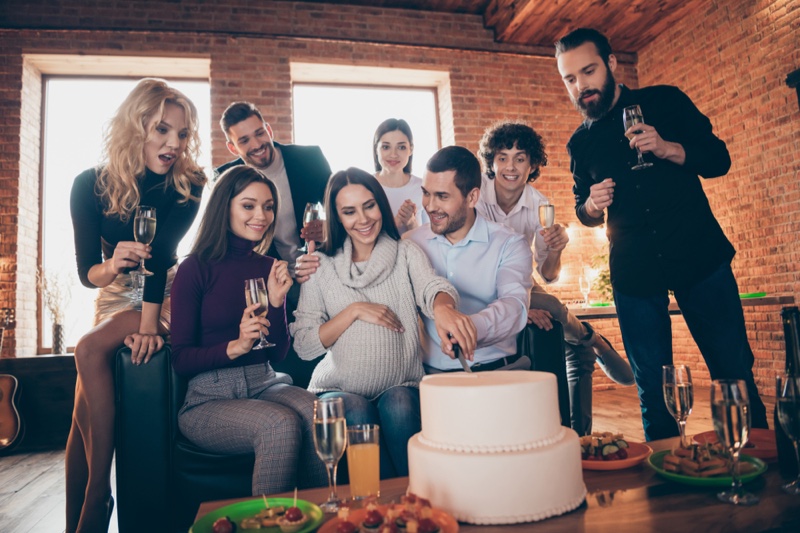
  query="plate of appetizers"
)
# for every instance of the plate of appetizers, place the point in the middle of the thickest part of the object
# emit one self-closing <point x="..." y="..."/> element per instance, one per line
<point x="703" y="466"/>
<point x="268" y="515"/>
<point x="392" y="518"/>
<point x="609" y="451"/>
<point x="760" y="443"/>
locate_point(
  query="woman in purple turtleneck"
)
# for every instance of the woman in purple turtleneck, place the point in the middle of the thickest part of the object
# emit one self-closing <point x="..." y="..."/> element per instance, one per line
<point x="235" y="402"/>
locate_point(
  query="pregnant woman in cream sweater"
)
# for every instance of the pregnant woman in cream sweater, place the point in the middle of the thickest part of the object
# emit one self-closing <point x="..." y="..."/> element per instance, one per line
<point x="360" y="310"/>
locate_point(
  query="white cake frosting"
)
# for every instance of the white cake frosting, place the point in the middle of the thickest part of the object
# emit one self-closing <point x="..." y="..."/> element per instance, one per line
<point x="491" y="449"/>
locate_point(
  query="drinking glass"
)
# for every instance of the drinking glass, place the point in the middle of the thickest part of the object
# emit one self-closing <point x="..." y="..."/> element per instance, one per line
<point x="730" y="411"/>
<point x="330" y="441"/>
<point x="363" y="460"/>
<point x="144" y="231"/>
<point x="313" y="211"/>
<point x="787" y="401"/>
<point x="255" y="291"/>
<point x="678" y="395"/>
<point x="547" y="215"/>
<point x="586" y="287"/>
<point x="632" y="115"/>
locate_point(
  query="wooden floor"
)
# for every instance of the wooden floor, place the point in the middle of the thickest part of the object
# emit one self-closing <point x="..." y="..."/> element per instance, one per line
<point x="32" y="485"/>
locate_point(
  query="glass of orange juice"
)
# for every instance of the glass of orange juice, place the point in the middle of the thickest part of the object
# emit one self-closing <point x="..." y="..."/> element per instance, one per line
<point x="363" y="461"/>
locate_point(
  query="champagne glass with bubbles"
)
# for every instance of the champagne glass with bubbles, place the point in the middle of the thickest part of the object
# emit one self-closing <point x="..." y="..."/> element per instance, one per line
<point x="255" y="291"/>
<point x="730" y="411"/>
<point x="547" y="215"/>
<point x="330" y="441"/>
<point x="787" y="401"/>
<point x="678" y="395"/>
<point x="144" y="231"/>
<point x="585" y="285"/>
<point x="632" y="115"/>
<point x="312" y="212"/>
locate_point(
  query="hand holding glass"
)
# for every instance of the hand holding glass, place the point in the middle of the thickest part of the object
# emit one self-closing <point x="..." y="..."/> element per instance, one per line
<point x="363" y="460"/>
<point x="313" y="211"/>
<point x="144" y="231"/>
<point x="678" y="395"/>
<point x="330" y="440"/>
<point x="730" y="411"/>
<point x="632" y="115"/>
<point x="255" y="291"/>
<point x="787" y="401"/>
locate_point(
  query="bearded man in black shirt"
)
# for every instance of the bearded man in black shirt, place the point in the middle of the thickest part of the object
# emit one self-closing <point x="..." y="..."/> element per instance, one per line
<point x="662" y="232"/>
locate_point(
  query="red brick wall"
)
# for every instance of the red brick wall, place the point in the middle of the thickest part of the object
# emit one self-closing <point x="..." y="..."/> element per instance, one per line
<point x="733" y="62"/>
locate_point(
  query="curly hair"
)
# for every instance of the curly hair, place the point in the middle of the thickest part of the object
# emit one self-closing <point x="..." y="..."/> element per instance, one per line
<point x="505" y="136"/>
<point x="123" y="150"/>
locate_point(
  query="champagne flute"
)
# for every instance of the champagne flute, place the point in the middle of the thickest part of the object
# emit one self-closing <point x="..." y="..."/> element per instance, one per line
<point x="330" y="441"/>
<point x="632" y="115"/>
<point x="678" y="395"/>
<point x="586" y="287"/>
<point x="255" y="291"/>
<point x="730" y="411"/>
<point x="547" y="215"/>
<point x="144" y="231"/>
<point x="787" y="392"/>
<point x="310" y="214"/>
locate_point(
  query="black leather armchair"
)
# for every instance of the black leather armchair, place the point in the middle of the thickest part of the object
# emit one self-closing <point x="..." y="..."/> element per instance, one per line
<point x="161" y="477"/>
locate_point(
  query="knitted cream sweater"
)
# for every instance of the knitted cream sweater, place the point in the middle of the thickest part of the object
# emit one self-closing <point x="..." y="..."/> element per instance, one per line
<point x="368" y="359"/>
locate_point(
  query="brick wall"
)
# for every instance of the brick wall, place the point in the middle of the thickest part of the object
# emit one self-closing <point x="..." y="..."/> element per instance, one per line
<point x="746" y="49"/>
<point x="251" y="47"/>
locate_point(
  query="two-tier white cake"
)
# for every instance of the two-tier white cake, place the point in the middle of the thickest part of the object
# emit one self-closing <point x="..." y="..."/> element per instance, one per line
<point x="492" y="450"/>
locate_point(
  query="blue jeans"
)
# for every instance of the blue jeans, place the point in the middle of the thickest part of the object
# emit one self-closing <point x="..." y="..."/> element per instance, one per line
<point x="713" y="313"/>
<point x="397" y="413"/>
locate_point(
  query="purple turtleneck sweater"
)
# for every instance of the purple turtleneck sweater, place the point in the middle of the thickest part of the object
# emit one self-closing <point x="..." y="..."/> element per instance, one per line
<point x="207" y="305"/>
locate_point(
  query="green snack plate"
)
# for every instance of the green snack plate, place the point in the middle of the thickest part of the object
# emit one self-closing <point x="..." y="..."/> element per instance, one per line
<point x="744" y="295"/>
<point x="599" y="304"/>
<point x="237" y="511"/>
<point x="656" y="461"/>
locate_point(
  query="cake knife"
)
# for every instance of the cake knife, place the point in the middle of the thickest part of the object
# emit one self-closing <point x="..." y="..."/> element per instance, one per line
<point x="461" y="359"/>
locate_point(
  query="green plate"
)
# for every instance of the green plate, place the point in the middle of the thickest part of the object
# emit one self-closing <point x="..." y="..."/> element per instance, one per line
<point x="237" y="511"/>
<point x="599" y="304"/>
<point x="745" y="295"/>
<point x="656" y="461"/>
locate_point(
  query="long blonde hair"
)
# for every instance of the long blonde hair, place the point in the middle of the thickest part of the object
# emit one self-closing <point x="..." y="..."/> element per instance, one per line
<point x="123" y="150"/>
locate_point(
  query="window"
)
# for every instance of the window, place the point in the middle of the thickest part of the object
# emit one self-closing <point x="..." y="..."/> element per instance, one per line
<point x="342" y="121"/>
<point x="75" y="115"/>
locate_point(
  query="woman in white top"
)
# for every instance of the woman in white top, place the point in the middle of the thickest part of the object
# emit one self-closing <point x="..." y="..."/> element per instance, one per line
<point x="393" y="150"/>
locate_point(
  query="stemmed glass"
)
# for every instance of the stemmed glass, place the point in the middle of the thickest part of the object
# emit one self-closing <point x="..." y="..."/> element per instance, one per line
<point x="632" y="115"/>
<point x="585" y="286"/>
<point x="787" y="392"/>
<point x="730" y="411"/>
<point x="678" y="395"/>
<point x="313" y="211"/>
<point x="144" y="231"/>
<point x="547" y="215"/>
<point x="330" y="441"/>
<point x="255" y="291"/>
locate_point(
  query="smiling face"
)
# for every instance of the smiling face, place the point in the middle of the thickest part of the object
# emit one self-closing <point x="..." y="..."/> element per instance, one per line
<point x="251" y="139"/>
<point x="166" y="140"/>
<point x="511" y="167"/>
<point x="393" y="151"/>
<point x="451" y="214"/>
<point x="252" y="212"/>
<point x="589" y="82"/>
<point x="361" y="218"/>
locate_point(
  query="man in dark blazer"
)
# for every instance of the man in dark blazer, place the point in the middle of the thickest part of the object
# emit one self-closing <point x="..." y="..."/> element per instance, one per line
<point x="301" y="174"/>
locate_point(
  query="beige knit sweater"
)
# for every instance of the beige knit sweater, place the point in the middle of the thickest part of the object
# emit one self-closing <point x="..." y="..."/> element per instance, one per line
<point x="367" y="359"/>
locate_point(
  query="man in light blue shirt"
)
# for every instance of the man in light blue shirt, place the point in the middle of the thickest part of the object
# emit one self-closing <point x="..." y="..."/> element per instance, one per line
<point x="488" y="263"/>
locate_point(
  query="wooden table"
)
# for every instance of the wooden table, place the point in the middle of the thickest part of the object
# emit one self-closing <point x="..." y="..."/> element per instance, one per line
<point x="610" y="311"/>
<point x="634" y="499"/>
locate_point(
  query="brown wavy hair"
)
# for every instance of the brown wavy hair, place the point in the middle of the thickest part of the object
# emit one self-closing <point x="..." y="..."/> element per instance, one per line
<point x="123" y="149"/>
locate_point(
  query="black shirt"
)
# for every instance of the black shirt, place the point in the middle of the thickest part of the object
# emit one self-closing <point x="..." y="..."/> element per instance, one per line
<point x="662" y="232"/>
<point x="96" y="234"/>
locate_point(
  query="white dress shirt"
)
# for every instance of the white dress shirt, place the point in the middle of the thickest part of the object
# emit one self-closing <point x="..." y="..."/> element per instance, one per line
<point x="491" y="270"/>
<point x="523" y="218"/>
<point x="287" y="236"/>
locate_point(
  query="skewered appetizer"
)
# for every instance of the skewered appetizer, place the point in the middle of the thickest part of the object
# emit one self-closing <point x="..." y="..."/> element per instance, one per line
<point x="702" y="460"/>
<point x="292" y="520"/>
<point x="605" y="446"/>
<point x="223" y="525"/>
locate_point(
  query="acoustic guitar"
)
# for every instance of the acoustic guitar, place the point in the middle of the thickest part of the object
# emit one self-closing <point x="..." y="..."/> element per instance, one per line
<point x="10" y="421"/>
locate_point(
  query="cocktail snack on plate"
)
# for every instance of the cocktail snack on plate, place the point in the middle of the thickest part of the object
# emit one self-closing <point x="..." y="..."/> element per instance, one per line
<point x="605" y="446"/>
<point x="702" y="460"/>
